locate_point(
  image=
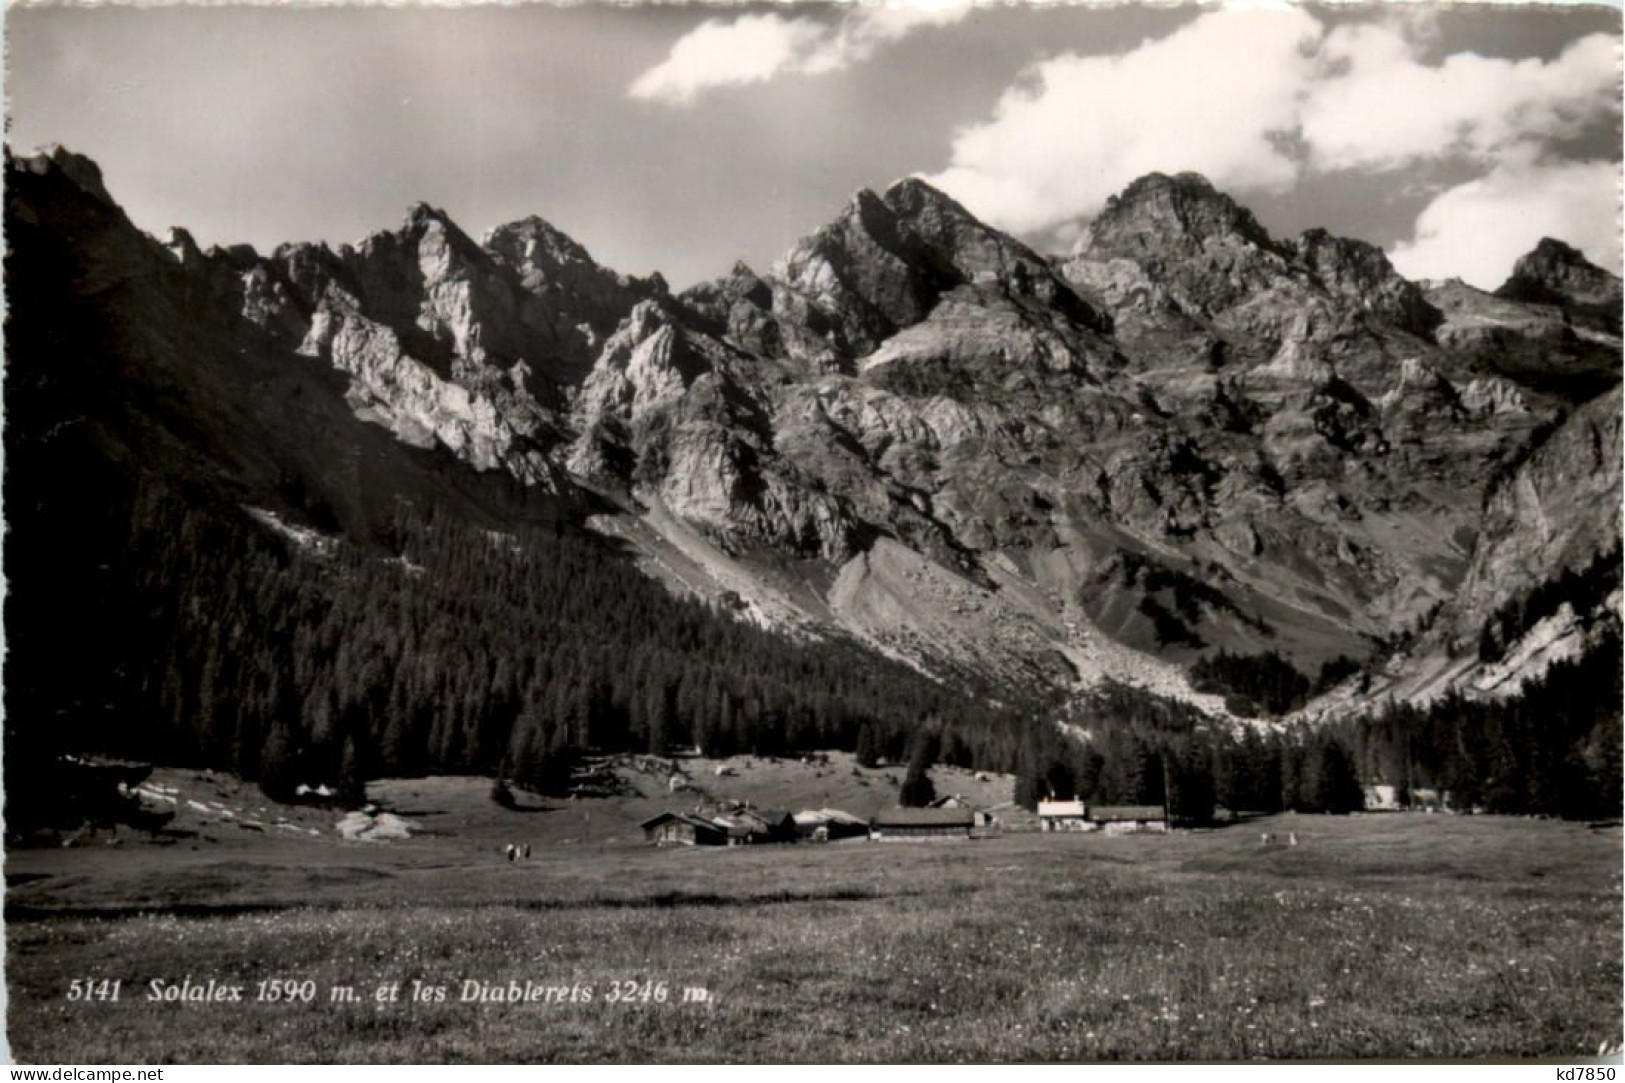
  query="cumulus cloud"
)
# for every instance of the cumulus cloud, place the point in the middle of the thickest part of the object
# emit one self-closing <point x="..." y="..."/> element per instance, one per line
<point x="1476" y="231"/>
<point x="1213" y="97"/>
<point x="755" y="48"/>
<point x="1384" y="108"/>
<point x="751" y="49"/>
<point x="1253" y="97"/>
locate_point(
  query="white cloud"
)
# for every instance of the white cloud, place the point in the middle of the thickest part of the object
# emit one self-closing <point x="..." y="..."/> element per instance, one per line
<point x="1074" y="130"/>
<point x="1386" y="109"/>
<point x="1477" y="230"/>
<point x="751" y="49"/>
<point x="755" y="48"/>
<point x="1253" y="96"/>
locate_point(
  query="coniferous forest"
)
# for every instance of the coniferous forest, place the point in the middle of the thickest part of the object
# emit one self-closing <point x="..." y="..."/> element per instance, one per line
<point x="441" y="647"/>
<point x="206" y="638"/>
<point x="168" y="624"/>
<point x="1554" y="750"/>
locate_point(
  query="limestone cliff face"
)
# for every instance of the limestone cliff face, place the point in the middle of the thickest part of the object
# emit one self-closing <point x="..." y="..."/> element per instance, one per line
<point x="1569" y="350"/>
<point x="1175" y="259"/>
<point x="673" y="414"/>
<point x="152" y="359"/>
<point x="1554" y="511"/>
<point x="447" y="343"/>
<point x="882" y="264"/>
<point x="573" y="304"/>
<point x="1186" y="435"/>
<point x="486" y="415"/>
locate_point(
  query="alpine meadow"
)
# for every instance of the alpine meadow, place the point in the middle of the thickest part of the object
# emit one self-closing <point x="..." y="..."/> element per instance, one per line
<point x="1021" y="619"/>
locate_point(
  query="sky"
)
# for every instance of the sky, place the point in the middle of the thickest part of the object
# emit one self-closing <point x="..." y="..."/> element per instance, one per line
<point x="681" y="138"/>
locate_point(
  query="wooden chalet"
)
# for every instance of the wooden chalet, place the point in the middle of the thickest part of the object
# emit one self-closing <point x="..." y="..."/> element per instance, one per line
<point x="746" y="827"/>
<point x="901" y="824"/>
<point x="979" y="817"/>
<point x="1064" y="816"/>
<point x="1123" y="819"/>
<point x="830" y="825"/>
<point x="683" y="829"/>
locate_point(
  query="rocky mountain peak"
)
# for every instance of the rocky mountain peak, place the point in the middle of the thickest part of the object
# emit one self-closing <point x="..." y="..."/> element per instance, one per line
<point x="937" y="229"/>
<point x="425" y="220"/>
<point x="1557" y="273"/>
<point x="883" y="263"/>
<point x="1255" y="456"/>
<point x="913" y="197"/>
<point x="1359" y="274"/>
<point x="1182" y="211"/>
<point x="533" y="244"/>
<point x="744" y="283"/>
<point x="84" y="174"/>
<point x="182" y="246"/>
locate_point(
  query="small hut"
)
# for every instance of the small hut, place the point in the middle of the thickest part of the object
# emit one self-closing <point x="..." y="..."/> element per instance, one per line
<point x="1125" y="819"/>
<point x="901" y="824"/>
<point x="683" y="829"/>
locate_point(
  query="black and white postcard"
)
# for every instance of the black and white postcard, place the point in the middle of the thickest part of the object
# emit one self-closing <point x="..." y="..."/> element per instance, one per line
<point x="812" y="532"/>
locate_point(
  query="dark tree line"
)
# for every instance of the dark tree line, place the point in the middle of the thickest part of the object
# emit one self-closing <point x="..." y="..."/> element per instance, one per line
<point x="1267" y="683"/>
<point x="1142" y="749"/>
<point x="1554" y="749"/>
<point x="448" y="649"/>
<point x="173" y="628"/>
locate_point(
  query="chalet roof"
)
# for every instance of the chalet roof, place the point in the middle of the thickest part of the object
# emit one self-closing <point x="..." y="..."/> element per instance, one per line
<point x="924" y="817"/>
<point x="758" y="820"/>
<point x="688" y="818"/>
<point x="816" y="816"/>
<point x="1062" y="808"/>
<point x="1122" y="813"/>
<point x="737" y="828"/>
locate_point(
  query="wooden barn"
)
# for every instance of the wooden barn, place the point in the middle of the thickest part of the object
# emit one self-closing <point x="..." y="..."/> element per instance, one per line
<point x="900" y="824"/>
<point x="1064" y="816"/>
<point x="747" y="827"/>
<point x="979" y="817"/>
<point x="683" y="829"/>
<point x="830" y="825"/>
<point x="1123" y="819"/>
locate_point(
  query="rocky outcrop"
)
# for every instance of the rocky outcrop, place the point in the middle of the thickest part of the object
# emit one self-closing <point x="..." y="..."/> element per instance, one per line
<point x="1557" y="274"/>
<point x="1359" y="275"/>
<point x="1565" y="350"/>
<point x="882" y="264"/>
<point x="141" y="358"/>
<point x="577" y="303"/>
<point x="1187" y="273"/>
<point x="1555" y="510"/>
<point x="1550" y="515"/>
<point x="487" y="418"/>
<point x="1206" y="253"/>
<point x="1184" y="436"/>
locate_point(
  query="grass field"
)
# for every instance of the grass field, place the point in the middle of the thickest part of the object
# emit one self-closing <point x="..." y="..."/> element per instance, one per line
<point x="1392" y="936"/>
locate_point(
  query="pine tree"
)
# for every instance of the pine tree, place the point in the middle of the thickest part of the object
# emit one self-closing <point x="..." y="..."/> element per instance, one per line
<point x="658" y="719"/>
<point x="918" y="790"/>
<point x="352" y="788"/>
<point x="277" y="769"/>
<point x="1336" y="788"/>
<point x="867" y="753"/>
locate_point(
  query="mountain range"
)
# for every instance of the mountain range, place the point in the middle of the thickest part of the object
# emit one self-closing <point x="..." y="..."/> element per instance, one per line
<point x="1005" y="469"/>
